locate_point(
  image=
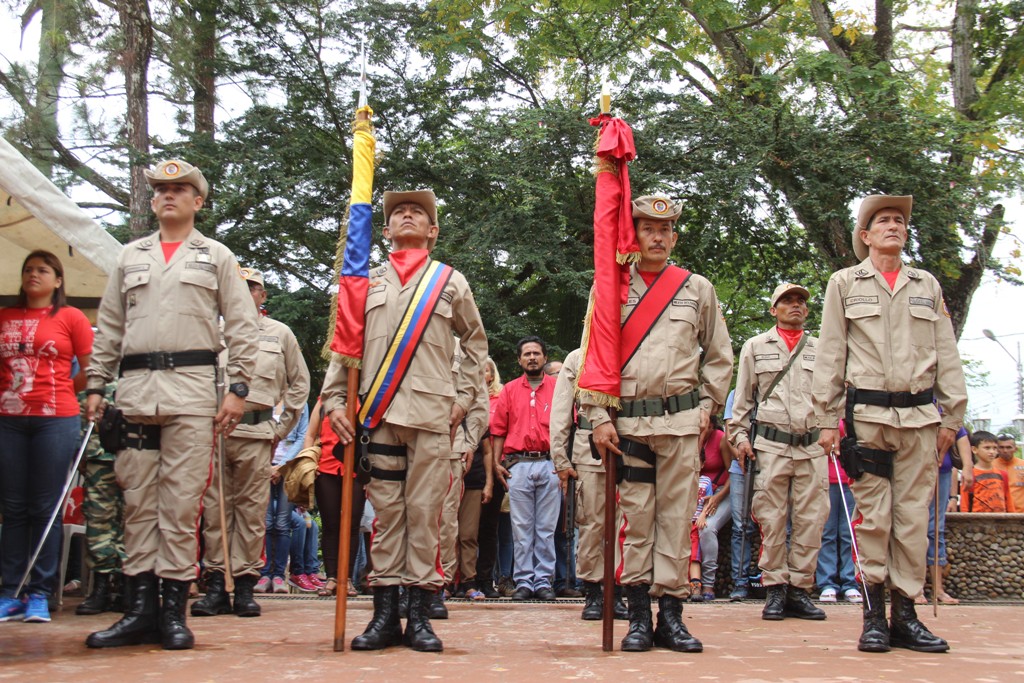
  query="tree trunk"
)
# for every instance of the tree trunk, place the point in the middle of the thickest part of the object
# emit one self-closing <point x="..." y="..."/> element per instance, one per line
<point x="204" y="84"/>
<point x="53" y="51"/>
<point x="137" y="27"/>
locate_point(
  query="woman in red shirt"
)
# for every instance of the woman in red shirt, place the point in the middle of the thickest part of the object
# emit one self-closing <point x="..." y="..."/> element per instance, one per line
<point x="39" y="427"/>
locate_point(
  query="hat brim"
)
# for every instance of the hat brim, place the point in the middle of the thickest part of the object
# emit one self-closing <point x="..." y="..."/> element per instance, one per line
<point x="794" y="288"/>
<point x="424" y="198"/>
<point x="871" y="205"/>
<point x="194" y="178"/>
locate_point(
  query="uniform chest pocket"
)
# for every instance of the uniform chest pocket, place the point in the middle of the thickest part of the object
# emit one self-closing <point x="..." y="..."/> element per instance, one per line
<point x="269" y="359"/>
<point x="769" y="364"/>
<point x="134" y="287"/>
<point x="683" y="332"/>
<point x="922" y="323"/>
<point x="198" y="291"/>
<point x="376" y="313"/>
<point x="864" y="322"/>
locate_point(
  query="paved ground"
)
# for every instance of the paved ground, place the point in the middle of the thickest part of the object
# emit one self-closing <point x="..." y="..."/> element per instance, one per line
<point x="500" y="641"/>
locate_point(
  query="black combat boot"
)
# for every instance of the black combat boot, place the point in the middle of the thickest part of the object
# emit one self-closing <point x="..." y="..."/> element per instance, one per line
<point x="174" y="634"/>
<point x="436" y="609"/>
<point x="418" y="633"/>
<point x="671" y="631"/>
<point x="98" y="600"/>
<point x="907" y="631"/>
<point x="403" y="602"/>
<point x="140" y="623"/>
<point x="799" y="605"/>
<point x="640" y="636"/>
<point x="216" y="601"/>
<point x="384" y="628"/>
<point x="245" y="603"/>
<point x="875" y="636"/>
<point x="775" y="603"/>
<point x="621" y="612"/>
<point x="593" y="607"/>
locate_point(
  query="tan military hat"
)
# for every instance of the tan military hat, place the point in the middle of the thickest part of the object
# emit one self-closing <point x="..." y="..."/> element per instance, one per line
<point x="785" y="288"/>
<point x="424" y="198"/>
<point x="871" y="205"/>
<point x="177" y="171"/>
<point x="251" y="275"/>
<point x="657" y="207"/>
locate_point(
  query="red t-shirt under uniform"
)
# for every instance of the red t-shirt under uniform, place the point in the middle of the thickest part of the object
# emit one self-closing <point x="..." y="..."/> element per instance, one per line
<point x="523" y="415"/>
<point x="35" y="360"/>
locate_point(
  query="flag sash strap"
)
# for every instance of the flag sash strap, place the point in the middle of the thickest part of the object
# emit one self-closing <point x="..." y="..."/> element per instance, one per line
<point x="649" y="308"/>
<point x="410" y="331"/>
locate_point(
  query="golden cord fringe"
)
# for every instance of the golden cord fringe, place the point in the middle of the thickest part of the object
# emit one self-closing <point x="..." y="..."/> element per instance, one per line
<point x="339" y="257"/>
<point x="629" y="257"/>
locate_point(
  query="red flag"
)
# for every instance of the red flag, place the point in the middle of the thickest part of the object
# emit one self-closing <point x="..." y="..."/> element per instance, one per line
<point x="615" y="247"/>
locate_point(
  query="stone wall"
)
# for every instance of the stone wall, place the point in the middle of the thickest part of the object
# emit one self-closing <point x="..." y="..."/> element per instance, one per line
<point x="985" y="551"/>
<point x="986" y="555"/>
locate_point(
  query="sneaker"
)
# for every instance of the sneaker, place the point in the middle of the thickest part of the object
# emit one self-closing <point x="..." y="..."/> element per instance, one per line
<point x="279" y="585"/>
<point x="12" y="609"/>
<point x="262" y="586"/>
<point x="37" y="610"/>
<point x="739" y="593"/>
<point x="829" y="595"/>
<point x="316" y="580"/>
<point x="302" y="582"/>
<point x="852" y="595"/>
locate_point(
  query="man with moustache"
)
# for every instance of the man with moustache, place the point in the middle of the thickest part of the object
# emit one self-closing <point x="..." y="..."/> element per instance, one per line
<point x="520" y="424"/>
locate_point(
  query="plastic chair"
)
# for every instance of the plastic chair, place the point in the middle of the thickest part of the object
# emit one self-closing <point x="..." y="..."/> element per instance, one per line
<point x="70" y="531"/>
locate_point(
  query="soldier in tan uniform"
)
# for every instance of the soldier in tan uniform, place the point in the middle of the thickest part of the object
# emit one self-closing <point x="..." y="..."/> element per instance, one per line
<point x="886" y="352"/>
<point x="467" y="436"/>
<point x="570" y="434"/>
<point x="677" y="377"/>
<point x="158" y="326"/>
<point x="410" y="448"/>
<point x="281" y="377"/>
<point x="773" y="386"/>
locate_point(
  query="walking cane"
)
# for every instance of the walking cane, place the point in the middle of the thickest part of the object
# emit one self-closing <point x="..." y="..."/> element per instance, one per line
<point x="225" y="542"/>
<point x="56" y="511"/>
<point x="849" y="523"/>
<point x="345" y="535"/>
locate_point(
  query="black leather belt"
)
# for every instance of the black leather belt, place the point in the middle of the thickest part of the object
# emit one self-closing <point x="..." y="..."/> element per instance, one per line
<point x="779" y="436"/>
<point x="254" y="417"/>
<point x="892" y="399"/>
<point x="389" y="450"/>
<point x="519" y="456"/>
<point x="650" y="407"/>
<point x="167" y="360"/>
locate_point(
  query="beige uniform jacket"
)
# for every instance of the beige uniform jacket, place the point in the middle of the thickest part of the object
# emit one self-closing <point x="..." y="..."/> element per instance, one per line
<point x="669" y="362"/>
<point x="468" y="436"/>
<point x="788" y="408"/>
<point x="887" y="340"/>
<point x="562" y="417"/>
<point x="281" y="374"/>
<point x="150" y="305"/>
<point x="424" y="400"/>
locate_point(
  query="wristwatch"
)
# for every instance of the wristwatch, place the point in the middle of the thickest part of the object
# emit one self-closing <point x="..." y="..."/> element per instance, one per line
<point x="239" y="389"/>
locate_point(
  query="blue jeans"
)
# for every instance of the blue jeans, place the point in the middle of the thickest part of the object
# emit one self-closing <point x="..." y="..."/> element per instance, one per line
<point x="35" y="457"/>
<point x="305" y="544"/>
<point x="945" y="483"/>
<point x="534" y="498"/>
<point x="709" y="542"/>
<point x="835" y="559"/>
<point x="279" y="531"/>
<point x="740" y="566"/>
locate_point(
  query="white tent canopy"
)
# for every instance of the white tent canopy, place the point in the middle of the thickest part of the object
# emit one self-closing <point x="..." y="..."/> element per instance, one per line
<point x="35" y="214"/>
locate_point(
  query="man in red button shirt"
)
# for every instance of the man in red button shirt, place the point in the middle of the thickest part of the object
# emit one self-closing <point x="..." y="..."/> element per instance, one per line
<point x="520" y="425"/>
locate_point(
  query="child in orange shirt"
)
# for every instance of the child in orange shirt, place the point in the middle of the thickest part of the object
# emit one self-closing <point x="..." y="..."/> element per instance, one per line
<point x="991" y="489"/>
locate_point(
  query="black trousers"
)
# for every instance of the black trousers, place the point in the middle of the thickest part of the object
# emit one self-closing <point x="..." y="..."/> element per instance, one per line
<point x="488" y="535"/>
<point x="328" y="500"/>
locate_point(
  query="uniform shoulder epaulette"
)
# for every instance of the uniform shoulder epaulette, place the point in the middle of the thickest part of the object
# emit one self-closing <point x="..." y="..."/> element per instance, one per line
<point x="862" y="272"/>
<point x="380" y="271"/>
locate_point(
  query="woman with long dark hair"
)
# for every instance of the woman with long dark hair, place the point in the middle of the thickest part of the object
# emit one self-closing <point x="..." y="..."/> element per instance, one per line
<point x="39" y="427"/>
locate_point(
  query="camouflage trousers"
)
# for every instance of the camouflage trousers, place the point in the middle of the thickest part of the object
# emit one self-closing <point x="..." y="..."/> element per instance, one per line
<point x="103" y="507"/>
